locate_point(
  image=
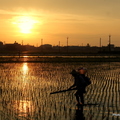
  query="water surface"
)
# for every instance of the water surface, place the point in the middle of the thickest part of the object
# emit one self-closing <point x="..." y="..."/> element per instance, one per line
<point x="26" y="87"/>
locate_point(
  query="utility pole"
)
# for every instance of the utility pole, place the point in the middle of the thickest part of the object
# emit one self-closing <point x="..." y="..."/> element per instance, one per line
<point x="41" y="45"/>
<point x="109" y="48"/>
<point x="59" y="46"/>
<point x="22" y="42"/>
<point x="41" y="41"/>
<point x="67" y="44"/>
<point x="109" y="43"/>
<point x="100" y="44"/>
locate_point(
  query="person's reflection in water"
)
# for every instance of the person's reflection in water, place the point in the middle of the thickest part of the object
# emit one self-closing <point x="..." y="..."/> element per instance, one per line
<point x="79" y="113"/>
<point x="0" y="91"/>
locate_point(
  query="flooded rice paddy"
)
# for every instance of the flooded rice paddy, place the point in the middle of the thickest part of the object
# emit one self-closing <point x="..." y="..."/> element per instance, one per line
<point x="25" y="92"/>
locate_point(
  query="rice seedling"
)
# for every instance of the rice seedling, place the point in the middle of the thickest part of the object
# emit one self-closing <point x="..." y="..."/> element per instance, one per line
<point x="25" y="91"/>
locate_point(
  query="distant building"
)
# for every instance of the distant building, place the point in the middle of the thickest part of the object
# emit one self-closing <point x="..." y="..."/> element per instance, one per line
<point x="1" y="45"/>
<point x="28" y="47"/>
<point x="117" y="49"/>
<point x="46" y="47"/>
<point x="88" y="45"/>
<point x="111" y="47"/>
<point x="13" y="47"/>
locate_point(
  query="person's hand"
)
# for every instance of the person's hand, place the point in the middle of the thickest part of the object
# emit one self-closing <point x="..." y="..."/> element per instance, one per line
<point x="69" y="88"/>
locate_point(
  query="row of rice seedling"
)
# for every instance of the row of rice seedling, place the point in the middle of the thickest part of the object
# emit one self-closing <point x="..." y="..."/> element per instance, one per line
<point x="107" y="91"/>
<point x="26" y="89"/>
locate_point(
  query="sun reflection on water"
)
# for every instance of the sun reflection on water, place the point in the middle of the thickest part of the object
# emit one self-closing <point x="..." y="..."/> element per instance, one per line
<point x="25" y="77"/>
<point x="23" y="108"/>
<point x="25" y="68"/>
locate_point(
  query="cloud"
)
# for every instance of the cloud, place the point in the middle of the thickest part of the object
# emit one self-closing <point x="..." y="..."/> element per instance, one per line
<point x="81" y="7"/>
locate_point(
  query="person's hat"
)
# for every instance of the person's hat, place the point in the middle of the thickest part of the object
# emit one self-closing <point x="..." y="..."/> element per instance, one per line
<point x="82" y="68"/>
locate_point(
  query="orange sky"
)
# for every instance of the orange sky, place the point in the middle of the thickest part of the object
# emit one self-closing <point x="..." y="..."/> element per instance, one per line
<point x="53" y="21"/>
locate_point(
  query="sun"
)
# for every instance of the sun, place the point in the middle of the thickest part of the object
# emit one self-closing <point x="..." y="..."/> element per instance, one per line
<point x="25" y="23"/>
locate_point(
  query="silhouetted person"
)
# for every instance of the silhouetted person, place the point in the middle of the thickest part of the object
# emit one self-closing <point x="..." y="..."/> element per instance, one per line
<point x="81" y="81"/>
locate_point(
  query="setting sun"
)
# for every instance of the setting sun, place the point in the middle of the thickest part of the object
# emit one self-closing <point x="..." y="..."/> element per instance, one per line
<point x="25" y="23"/>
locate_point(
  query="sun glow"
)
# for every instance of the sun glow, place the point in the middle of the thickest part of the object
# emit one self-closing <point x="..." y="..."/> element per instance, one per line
<point x="25" y="23"/>
<point x="22" y="107"/>
<point x="25" y="76"/>
<point x="25" y="68"/>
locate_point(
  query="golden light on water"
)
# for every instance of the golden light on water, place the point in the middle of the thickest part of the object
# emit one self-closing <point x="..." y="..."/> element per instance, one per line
<point x="25" y="79"/>
<point x="25" y="68"/>
<point x="27" y="96"/>
<point x="25" y="56"/>
<point x="23" y="108"/>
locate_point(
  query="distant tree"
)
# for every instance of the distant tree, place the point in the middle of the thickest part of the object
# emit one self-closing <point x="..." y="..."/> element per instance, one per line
<point x="88" y="45"/>
<point x="1" y="43"/>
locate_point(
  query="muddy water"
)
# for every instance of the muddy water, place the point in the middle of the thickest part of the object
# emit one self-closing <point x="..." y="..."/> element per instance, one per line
<point x="25" y="92"/>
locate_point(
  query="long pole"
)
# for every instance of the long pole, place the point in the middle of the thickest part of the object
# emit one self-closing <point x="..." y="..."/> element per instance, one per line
<point x="41" y="45"/>
<point x="109" y="49"/>
<point x="100" y="44"/>
<point x="59" y="46"/>
<point x="109" y="43"/>
<point x="67" y="44"/>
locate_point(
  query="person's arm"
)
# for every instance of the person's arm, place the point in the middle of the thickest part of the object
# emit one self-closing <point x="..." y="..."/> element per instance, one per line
<point x="73" y="86"/>
<point x="74" y="74"/>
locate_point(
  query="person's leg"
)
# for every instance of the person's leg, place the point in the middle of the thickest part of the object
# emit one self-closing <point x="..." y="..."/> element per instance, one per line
<point x="77" y="97"/>
<point x="82" y="98"/>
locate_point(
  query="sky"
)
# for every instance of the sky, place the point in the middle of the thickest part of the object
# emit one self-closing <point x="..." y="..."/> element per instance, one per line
<point x="53" y="21"/>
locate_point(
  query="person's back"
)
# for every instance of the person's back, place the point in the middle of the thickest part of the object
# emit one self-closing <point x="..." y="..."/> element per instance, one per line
<point x="81" y="81"/>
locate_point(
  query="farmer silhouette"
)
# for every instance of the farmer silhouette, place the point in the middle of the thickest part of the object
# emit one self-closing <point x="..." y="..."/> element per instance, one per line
<point x="81" y="82"/>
